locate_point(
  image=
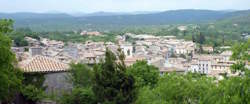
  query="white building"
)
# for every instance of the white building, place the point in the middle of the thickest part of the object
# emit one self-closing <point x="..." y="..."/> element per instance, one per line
<point x="127" y="49"/>
<point x="204" y="66"/>
<point x="201" y="64"/>
<point x="226" y="55"/>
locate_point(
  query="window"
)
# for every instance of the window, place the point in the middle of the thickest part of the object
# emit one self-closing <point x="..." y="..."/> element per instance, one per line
<point x="128" y="52"/>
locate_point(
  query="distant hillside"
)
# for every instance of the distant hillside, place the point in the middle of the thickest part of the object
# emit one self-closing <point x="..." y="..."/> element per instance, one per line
<point x="239" y="17"/>
<point x="235" y="22"/>
<point x="64" y="22"/>
<point x="168" y="17"/>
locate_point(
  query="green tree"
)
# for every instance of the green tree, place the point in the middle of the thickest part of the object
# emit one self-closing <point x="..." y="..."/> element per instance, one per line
<point x="240" y="51"/>
<point x="234" y="90"/>
<point x="6" y="26"/>
<point x="32" y="87"/>
<point x="79" y="96"/>
<point x="80" y="75"/>
<point x="111" y="83"/>
<point x="10" y="76"/>
<point x="32" y="94"/>
<point x="240" y="55"/>
<point x="20" y="41"/>
<point x="238" y="66"/>
<point x="144" y="74"/>
<point x="175" y="88"/>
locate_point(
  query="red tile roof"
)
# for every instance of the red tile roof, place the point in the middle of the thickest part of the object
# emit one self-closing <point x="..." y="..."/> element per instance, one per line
<point x="43" y="64"/>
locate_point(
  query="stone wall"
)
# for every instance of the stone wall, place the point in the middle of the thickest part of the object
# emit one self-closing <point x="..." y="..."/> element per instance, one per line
<point x="57" y="83"/>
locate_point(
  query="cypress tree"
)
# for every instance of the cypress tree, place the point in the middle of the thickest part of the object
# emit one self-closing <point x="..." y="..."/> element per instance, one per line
<point x="111" y="83"/>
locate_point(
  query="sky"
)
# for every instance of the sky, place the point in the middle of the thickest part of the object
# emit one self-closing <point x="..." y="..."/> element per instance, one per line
<point x="88" y="6"/>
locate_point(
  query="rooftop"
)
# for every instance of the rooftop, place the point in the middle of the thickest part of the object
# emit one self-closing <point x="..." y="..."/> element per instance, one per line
<point x="43" y="64"/>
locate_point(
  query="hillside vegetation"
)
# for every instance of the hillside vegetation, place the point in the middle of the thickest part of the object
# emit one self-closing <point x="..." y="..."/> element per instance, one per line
<point x="65" y="22"/>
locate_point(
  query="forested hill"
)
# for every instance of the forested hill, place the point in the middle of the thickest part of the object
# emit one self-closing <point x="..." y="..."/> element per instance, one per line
<point x="168" y="17"/>
<point x="48" y="21"/>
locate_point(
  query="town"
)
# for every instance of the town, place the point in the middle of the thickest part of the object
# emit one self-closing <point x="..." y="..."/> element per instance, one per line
<point x="165" y="52"/>
<point x="124" y="52"/>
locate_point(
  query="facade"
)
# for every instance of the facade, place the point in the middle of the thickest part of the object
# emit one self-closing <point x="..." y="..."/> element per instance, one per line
<point x="194" y="68"/>
<point x="226" y="55"/>
<point x="208" y="49"/>
<point x="210" y="64"/>
<point x="35" y="51"/>
<point x="204" y="66"/>
<point x="127" y="49"/>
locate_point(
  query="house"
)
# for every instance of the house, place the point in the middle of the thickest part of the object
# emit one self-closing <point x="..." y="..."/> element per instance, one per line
<point x="212" y="65"/>
<point x="35" y="51"/>
<point x="171" y="69"/>
<point x="157" y="61"/>
<point x="89" y="58"/>
<point x="127" y="49"/>
<point x="54" y="71"/>
<point x="222" y="66"/>
<point x="208" y="49"/>
<point x="146" y="37"/>
<point x="201" y="64"/>
<point x="131" y="60"/>
<point x="194" y="68"/>
<point x="226" y="55"/>
<point x="91" y="33"/>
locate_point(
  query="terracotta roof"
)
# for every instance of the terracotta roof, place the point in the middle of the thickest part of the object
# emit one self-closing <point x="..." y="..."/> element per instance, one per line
<point x="131" y="60"/>
<point x="171" y="69"/>
<point x="43" y="64"/>
<point x="89" y="54"/>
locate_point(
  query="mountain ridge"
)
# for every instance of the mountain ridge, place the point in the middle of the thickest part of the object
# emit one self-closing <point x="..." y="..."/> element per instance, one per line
<point x="63" y="20"/>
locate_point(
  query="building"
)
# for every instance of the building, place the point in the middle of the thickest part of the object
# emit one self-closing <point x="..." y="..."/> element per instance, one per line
<point x="91" y="33"/>
<point x="201" y="64"/>
<point x="208" y="49"/>
<point x="54" y="71"/>
<point x="35" y="51"/>
<point x="131" y="60"/>
<point x="72" y="51"/>
<point x="226" y="55"/>
<point x="127" y="49"/>
<point x="212" y="65"/>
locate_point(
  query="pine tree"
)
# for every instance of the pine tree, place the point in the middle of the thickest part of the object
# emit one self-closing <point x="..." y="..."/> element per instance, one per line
<point x="111" y="83"/>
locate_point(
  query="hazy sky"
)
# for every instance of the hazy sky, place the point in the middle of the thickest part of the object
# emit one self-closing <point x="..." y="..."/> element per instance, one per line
<point x="118" y="5"/>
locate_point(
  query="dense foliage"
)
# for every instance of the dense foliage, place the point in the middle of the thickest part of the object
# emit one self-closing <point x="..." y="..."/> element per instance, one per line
<point x="80" y="75"/>
<point x="241" y="51"/>
<point x="13" y="81"/>
<point x="196" y="89"/>
<point x="79" y="95"/>
<point x="107" y="83"/>
<point x="10" y="76"/>
<point x="111" y="83"/>
<point x="144" y="74"/>
<point x="176" y="89"/>
<point x="33" y="89"/>
<point x="19" y="36"/>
